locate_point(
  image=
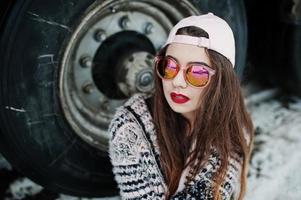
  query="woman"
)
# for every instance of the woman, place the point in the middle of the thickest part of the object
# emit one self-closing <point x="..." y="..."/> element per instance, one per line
<point x="193" y="138"/>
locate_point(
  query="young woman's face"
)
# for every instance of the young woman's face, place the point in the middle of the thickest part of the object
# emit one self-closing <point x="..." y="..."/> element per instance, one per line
<point x="184" y="53"/>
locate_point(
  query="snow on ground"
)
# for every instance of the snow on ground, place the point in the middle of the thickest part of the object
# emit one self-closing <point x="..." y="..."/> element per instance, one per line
<point x="274" y="171"/>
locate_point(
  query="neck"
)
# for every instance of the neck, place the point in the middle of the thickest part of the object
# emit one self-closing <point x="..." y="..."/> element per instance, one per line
<point x="190" y="118"/>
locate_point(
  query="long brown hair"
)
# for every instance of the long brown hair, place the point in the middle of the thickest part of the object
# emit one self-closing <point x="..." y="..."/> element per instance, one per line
<point x="221" y="121"/>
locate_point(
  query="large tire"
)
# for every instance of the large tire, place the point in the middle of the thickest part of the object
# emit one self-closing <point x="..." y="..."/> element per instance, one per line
<point x="36" y="137"/>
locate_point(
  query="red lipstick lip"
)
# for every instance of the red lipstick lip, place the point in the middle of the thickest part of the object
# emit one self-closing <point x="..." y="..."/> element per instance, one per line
<point x="178" y="98"/>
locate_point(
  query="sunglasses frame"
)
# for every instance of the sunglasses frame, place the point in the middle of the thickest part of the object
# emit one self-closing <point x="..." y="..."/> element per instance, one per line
<point x="207" y="67"/>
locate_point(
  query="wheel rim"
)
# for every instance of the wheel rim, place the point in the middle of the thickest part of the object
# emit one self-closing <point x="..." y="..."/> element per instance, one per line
<point x="86" y="83"/>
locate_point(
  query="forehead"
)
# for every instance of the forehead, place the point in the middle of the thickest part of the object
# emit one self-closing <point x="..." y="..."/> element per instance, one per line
<point x="185" y="53"/>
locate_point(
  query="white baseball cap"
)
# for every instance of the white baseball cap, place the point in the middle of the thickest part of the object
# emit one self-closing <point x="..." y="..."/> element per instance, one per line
<point x="221" y="38"/>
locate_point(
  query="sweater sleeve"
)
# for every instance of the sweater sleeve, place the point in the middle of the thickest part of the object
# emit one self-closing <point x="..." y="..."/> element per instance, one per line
<point x="128" y="154"/>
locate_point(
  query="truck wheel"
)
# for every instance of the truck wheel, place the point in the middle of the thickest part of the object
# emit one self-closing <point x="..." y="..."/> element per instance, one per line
<point x="66" y="66"/>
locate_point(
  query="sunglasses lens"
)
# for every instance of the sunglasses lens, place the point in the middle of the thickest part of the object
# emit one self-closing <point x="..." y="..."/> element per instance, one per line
<point x="167" y="68"/>
<point x="197" y="75"/>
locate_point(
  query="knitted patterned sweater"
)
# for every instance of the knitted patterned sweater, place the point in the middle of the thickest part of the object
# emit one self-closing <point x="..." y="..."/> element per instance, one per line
<point x="134" y="155"/>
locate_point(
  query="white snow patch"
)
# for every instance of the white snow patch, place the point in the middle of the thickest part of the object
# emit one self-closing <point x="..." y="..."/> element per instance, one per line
<point x="23" y="187"/>
<point x="274" y="172"/>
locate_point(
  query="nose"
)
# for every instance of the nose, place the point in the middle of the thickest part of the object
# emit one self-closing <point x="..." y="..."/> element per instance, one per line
<point x="179" y="80"/>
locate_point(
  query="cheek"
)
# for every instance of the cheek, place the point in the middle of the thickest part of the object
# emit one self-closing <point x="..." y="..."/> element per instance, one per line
<point x="166" y="85"/>
<point x="197" y="96"/>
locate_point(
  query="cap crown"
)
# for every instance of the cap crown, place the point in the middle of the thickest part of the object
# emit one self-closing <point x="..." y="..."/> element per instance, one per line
<point x="221" y="38"/>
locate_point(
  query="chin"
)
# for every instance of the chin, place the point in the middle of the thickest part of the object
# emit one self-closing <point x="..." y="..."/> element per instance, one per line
<point x="178" y="108"/>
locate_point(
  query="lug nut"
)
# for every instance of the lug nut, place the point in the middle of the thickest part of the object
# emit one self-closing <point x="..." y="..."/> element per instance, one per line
<point x="149" y="28"/>
<point x="99" y="35"/>
<point x="113" y="9"/>
<point x="88" y="88"/>
<point x="86" y="61"/>
<point x="124" y="22"/>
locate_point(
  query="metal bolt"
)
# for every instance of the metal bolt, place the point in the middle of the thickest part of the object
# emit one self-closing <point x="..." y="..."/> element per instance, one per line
<point x="149" y="28"/>
<point x="99" y="35"/>
<point x="88" y="88"/>
<point x="145" y="79"/>
<point x="113" y="9"/>
<point x="124" y="22"/>
<point x="86" y="61"/>
<point x="104" y="105"/>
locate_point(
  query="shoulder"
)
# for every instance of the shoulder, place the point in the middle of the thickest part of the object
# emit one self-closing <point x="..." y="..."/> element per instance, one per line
<point x="125" y="114"/>
<point x="125" y="138"/>
<point x="125" y="132"/>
